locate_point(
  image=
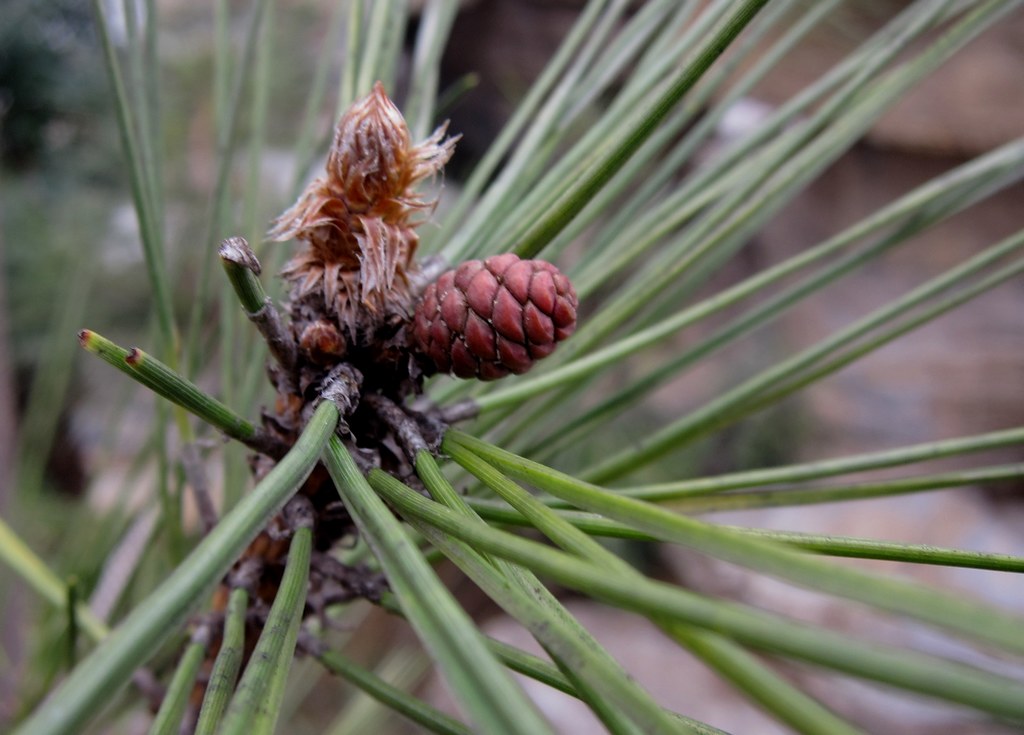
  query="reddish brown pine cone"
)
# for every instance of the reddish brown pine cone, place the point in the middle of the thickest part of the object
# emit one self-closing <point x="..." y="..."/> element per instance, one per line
<point x="486" y="319"/>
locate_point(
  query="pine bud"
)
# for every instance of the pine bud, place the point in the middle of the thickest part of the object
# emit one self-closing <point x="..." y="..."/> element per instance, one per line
<point x="322" y="343"/>
<point x="486" y="319"/>
<point x="359" y="222"/>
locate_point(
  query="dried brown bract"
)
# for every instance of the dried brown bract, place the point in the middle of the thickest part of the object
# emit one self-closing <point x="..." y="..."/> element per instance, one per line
<point x="358" y="223"/>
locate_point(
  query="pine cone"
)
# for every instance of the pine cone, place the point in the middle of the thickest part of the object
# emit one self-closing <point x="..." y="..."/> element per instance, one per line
<point x="486" y="319"/>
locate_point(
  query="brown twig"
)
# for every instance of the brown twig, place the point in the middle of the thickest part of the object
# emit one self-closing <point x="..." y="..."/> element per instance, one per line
<point x="460" y="411"/>
<point x="404" y="426"/>
<point x="263" y="442"/>
<point x="195" y="475"/>
<point x="299" y="513"/>
<point x="150" y="687"/>
<point x="310" y="644"/>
